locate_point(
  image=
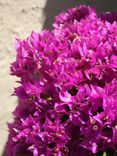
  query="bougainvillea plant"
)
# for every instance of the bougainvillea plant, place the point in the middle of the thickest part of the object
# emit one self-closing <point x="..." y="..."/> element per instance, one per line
<point x="68" y="88"/>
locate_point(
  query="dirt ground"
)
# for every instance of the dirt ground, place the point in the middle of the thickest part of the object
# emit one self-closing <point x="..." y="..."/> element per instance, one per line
<point x="17" y="19"/>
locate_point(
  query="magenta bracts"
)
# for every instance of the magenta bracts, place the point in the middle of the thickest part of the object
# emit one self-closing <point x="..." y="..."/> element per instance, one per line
<point x="68" y="88"/>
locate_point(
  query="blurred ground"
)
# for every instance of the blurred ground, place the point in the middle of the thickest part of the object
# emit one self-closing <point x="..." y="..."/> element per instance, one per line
<point x="17" y="19"/>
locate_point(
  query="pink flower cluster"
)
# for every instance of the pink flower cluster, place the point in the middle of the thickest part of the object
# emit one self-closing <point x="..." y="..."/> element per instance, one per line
<point x="68" y="88"/>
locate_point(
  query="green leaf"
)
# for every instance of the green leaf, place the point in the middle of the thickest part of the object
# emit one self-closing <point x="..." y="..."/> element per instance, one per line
<point x="104" y="154"/>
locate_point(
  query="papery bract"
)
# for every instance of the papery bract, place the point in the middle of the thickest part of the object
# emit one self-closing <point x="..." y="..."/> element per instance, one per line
<point x="68" y="88"/>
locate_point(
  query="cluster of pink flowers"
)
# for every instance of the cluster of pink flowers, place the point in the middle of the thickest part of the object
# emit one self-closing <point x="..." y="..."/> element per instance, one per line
<point x="68" y="88"/>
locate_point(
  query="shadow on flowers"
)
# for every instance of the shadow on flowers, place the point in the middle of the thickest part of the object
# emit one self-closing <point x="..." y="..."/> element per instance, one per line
<point x="3" y="154"/>
<point x="53" y="8"/>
